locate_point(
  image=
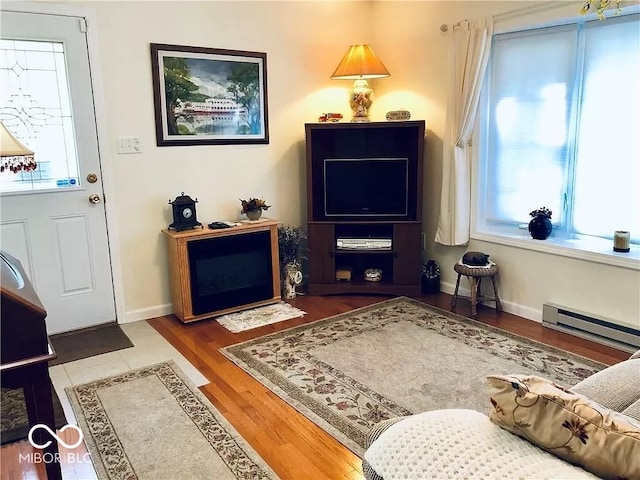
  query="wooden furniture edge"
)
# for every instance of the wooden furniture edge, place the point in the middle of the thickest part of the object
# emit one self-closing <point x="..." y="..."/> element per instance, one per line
<point x="180" y="275"/>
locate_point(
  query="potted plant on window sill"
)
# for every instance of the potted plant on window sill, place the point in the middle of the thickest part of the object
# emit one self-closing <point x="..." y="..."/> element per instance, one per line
<point x="540" y="225"/>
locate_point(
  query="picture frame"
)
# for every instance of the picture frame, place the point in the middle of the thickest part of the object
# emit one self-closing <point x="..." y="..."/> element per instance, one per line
<point x="209" y="96"/>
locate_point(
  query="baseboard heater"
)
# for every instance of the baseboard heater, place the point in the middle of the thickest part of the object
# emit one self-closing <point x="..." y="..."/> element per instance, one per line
<point x="591" y="327"/>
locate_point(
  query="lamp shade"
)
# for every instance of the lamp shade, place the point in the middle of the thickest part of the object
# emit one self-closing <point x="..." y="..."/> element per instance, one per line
<point x="15" y="157"/>
<point x="360" y="62"/>
<point x="10" y="146"/>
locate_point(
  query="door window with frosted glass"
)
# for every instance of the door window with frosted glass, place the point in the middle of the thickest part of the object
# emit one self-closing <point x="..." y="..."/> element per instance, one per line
<point x="36" y="108"/>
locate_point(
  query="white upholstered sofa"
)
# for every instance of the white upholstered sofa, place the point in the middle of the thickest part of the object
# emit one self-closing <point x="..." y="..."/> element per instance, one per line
<point x="604" y="433"/>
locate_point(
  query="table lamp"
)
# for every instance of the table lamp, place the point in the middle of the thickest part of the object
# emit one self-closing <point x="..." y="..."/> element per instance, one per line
<point x="360" y="64"/>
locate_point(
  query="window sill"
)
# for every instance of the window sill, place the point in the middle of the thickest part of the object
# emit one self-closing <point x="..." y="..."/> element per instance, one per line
<point x="592" y="250"/>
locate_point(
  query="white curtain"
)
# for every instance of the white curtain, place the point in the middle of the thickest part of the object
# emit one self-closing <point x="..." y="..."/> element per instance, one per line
<point x="469" y="51"/>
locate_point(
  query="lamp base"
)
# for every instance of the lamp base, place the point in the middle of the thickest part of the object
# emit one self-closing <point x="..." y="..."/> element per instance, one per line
<point x="360" y="100"/>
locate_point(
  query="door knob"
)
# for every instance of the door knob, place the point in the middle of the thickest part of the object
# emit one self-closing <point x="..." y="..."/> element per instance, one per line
<point x="94" y="198"/>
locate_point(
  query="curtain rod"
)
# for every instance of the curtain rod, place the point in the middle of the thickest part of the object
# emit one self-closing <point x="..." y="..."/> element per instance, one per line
<point x="444" y="27"/>
<point x="511" y="13"/>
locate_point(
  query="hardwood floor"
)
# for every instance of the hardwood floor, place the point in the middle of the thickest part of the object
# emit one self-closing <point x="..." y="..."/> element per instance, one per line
<point x="293" y="446"/>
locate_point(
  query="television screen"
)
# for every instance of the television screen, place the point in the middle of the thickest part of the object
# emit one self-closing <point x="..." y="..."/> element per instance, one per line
<point x="356" y="187"/>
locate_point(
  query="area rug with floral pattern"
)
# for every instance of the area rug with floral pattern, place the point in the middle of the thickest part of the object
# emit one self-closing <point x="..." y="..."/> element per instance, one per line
<point x="348" y="372"/>
<point x="153" y="423"/>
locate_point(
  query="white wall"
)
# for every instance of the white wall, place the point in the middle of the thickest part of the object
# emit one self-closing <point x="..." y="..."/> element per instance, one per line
<point x="304" y="42"/>
<point x="410" y="43"/>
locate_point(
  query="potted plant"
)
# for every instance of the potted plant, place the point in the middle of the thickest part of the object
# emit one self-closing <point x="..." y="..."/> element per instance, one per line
<point x="291" y="249"/>
<point x="540" y="225"/>
<point x="253" y="207"/>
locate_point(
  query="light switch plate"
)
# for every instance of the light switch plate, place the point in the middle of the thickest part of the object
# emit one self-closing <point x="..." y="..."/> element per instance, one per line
<point x="128" y="145"/>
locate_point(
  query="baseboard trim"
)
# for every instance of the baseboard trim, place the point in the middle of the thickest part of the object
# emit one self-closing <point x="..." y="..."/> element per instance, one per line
<point x="510" y="307"/>
<point x="147" y="313"/>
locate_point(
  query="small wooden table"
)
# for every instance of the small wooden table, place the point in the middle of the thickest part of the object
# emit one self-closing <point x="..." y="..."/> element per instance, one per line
<point x="475" y="276"/>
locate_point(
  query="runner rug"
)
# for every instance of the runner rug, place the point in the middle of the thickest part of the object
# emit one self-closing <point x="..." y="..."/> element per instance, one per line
<point x="153" y="423"/>
<point x="260" y="316"/>
<point x="348" y="372"/>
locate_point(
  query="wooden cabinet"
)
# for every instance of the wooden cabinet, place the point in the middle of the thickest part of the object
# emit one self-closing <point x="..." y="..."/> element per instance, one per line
<point x="213" y="272"/>
<point x="400" y="261"/>
<point x="400" y="265"/>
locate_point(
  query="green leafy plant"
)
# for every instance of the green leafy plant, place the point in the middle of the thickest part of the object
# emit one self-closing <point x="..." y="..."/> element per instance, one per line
<point x="254" y="204"/>
<point x="291" y="245"/>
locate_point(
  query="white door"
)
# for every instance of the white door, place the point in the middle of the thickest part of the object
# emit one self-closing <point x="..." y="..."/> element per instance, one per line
<point x="47" y="219"/>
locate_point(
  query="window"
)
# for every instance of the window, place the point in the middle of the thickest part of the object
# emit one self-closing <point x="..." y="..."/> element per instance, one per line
<point x="560" y="129"/>
<point x="36" y="108"/>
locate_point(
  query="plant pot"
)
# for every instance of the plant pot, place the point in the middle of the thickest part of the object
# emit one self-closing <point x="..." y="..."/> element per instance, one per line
<point x="254" y="214"/>
<point x="430" y="279"/>
<point x="540" y="227"/>
<point x="292" y="278"/>
<point x="430" y="286"/>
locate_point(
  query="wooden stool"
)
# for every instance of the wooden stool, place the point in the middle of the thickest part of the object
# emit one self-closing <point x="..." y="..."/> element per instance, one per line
<point x="475" y="276"/>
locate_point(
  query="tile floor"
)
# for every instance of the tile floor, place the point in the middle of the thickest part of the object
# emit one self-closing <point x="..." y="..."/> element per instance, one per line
<point x="149" y="348"/>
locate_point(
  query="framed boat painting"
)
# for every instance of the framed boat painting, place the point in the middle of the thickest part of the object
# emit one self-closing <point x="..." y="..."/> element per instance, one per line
<point x="209" y="96"/>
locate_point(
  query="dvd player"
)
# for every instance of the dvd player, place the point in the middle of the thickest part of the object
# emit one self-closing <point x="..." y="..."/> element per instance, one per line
<point x="363" y="243"/>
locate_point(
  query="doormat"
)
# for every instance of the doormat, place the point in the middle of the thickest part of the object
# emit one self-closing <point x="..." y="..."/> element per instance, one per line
<point x="14" y="420"/>
<point x="258" y="317"/>
<point x="88" y="342"/>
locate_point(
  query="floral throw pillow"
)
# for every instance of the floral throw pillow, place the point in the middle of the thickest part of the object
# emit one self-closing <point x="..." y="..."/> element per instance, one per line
<point x="567" y="425"/>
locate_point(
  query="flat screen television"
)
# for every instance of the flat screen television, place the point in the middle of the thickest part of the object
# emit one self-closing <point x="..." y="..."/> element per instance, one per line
<point x="366" y="187"/>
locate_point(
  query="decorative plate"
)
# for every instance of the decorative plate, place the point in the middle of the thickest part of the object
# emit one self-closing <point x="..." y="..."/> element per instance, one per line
<point x="398" y="115"/>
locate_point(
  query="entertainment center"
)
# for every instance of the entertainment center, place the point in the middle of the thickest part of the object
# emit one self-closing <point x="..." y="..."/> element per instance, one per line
<point x="364" y="207"/>
<point x="214" y="272"/>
